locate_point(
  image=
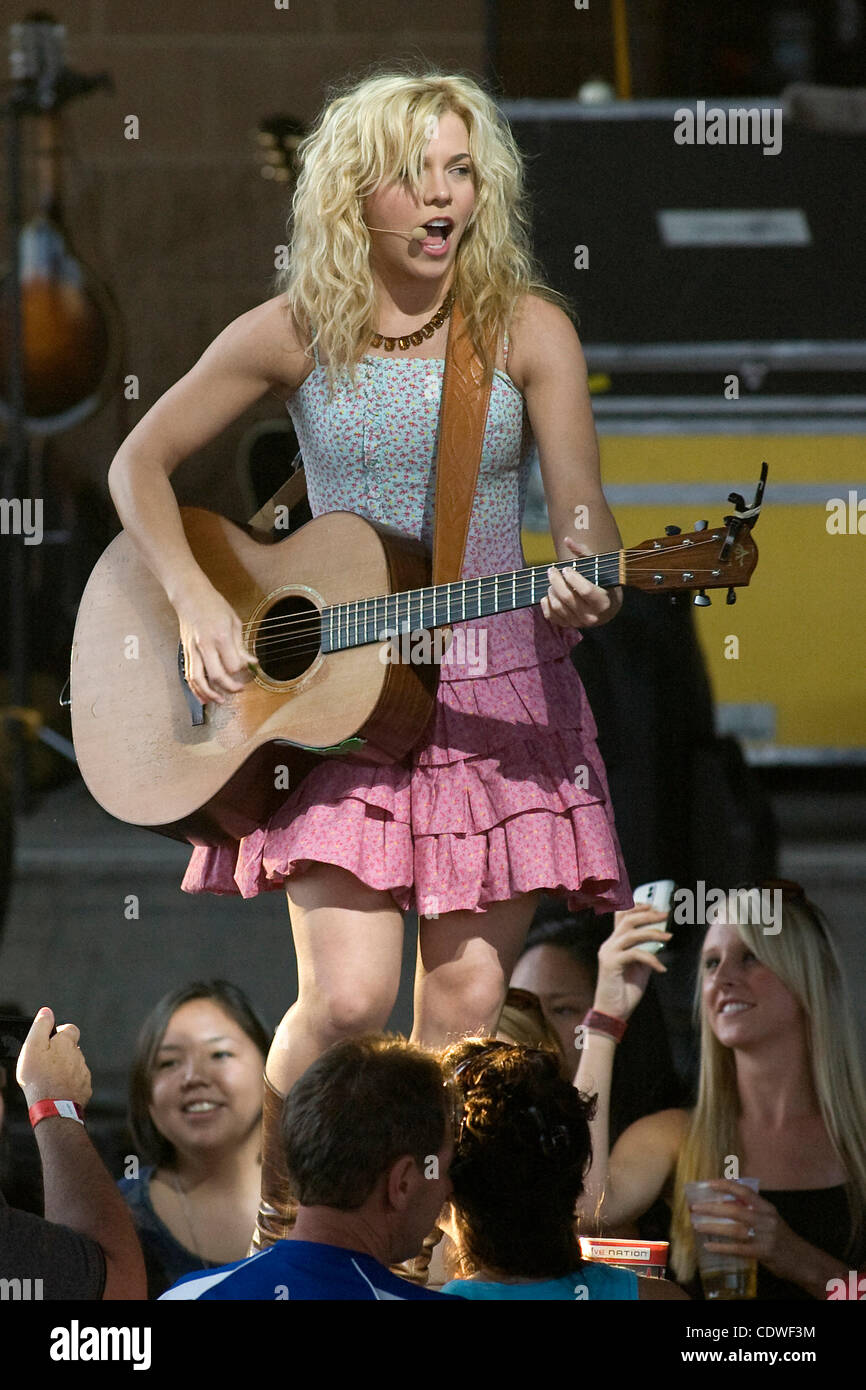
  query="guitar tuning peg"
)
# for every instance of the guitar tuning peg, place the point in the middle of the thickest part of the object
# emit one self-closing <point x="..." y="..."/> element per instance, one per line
<point x="702" y="600"/>
<point x="732" y="596"/>
<point x="672" y="530"/>
<point x="701" y="525"/>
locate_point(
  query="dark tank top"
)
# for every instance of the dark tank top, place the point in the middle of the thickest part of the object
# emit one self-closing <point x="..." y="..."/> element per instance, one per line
<point x="818" y="1215"/>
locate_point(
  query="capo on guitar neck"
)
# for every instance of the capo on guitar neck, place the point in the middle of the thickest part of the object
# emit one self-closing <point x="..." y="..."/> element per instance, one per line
<point x="743" y="515"/>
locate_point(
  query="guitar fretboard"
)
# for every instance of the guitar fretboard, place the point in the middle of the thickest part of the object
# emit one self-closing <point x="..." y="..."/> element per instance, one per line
<point x="368" y="620"/>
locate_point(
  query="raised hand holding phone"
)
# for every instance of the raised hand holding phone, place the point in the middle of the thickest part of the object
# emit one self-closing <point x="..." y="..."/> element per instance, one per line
<point x="624" y="965"/>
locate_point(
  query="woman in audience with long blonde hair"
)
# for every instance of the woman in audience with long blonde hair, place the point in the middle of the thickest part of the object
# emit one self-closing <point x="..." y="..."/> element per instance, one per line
<point x="781" y="1097"/>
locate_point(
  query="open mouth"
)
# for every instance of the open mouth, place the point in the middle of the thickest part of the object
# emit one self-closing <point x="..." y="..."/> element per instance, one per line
<point x="439" y="229"/>
<point x="734" y="1006"/>
<point x="200" y="1107"/>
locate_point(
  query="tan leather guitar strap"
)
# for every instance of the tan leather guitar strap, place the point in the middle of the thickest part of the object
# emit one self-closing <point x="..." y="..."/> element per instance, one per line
<point x="462" y="422"/>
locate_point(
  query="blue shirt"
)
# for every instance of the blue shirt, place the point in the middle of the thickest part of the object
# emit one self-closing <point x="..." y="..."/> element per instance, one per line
<point x="590" y="1282"/>
<point x="299" y="1269"/>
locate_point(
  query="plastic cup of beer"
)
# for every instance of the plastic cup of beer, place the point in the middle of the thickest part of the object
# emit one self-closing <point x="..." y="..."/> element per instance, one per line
<point x="722" y="1276"/>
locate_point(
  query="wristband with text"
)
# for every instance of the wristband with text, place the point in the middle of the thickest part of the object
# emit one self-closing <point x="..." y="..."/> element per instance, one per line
<point x="595" y="1022"/>
<point x="45" y="1109"/>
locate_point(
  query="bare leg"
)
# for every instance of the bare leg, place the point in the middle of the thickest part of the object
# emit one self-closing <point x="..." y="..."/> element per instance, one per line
<point x="465" y="960"/>
<point x="349" y="944"/>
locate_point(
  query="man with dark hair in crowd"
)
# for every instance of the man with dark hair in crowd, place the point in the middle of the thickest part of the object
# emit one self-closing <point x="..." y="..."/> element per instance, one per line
<point x="86" y="1246"/>
<point x="368" y="1139"/>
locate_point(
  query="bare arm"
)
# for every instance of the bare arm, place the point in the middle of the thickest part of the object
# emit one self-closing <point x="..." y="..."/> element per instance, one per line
<point x="258" y="352"/>
<point x="617" y="1196"/>
<point x="553" y="370"/>
<point x="79" y="1191"/>
<point x="641" y="1165"/>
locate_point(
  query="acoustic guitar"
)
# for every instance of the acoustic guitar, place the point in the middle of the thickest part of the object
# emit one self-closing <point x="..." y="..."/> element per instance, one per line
<point x="317" y="608"/>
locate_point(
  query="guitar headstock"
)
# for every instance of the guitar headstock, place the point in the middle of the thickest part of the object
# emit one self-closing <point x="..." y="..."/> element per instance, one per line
<point x="675" y="564"/>
<point x="717" y="557"/>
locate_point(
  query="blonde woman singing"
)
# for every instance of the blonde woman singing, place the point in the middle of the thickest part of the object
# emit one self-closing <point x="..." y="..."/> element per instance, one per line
<point x="489" y="808"/>
<point x="781" y="1091"/>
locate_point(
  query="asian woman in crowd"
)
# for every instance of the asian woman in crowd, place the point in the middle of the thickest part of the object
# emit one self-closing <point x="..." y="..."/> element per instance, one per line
<point x="195" y="1117"/>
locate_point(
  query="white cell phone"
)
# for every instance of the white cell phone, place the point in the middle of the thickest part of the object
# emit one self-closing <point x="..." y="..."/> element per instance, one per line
<point x="659" y="895"/>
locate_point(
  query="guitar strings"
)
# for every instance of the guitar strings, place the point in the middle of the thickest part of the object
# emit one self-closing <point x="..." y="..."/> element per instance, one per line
<point x="585" y="565"/>
<point x="314" y="623"/>
<point x="276" y="644"/>
<point x="524" y="584"/>
<point x="308" y="623"/>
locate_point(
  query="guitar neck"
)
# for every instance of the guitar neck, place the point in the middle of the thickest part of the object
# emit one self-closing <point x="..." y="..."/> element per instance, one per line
<point x="368" y="620"/>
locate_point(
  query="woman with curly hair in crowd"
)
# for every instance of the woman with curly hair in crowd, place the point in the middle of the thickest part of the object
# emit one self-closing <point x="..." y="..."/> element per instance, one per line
<point x="522" y="1149"/>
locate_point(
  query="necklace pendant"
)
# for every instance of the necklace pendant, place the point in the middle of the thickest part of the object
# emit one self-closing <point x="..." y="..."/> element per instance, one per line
<point x="428" y="330"/>
<point x="416" y="338"/>
<point x="404" y="343"/>
<point x="388" y="344"/>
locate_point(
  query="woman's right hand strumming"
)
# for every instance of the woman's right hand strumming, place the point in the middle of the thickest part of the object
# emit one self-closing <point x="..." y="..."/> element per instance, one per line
<point x="212" y="636"/>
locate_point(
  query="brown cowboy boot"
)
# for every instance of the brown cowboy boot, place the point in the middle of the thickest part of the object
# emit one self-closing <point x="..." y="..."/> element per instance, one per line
<point x="277" y="1208"/>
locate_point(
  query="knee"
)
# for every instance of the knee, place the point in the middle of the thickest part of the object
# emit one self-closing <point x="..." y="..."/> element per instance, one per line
<point x="345" y="1012"/>
<point x="466" y="997"/>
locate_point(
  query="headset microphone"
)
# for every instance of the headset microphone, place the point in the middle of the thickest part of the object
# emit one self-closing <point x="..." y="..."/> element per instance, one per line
<point x="416" y="234"/>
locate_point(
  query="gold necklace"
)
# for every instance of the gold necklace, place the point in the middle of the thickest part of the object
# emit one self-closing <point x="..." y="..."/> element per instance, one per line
<point x="416" y="338"/>
<point x="208" y="1264"/>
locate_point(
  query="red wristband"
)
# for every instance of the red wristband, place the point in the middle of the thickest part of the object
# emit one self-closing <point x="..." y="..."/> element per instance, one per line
<point x="596" y="1022"/>
<point x="45" y="1109"/>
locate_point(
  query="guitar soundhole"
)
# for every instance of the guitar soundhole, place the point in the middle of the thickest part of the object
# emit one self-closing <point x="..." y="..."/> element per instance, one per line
<point x="288" y="638"/>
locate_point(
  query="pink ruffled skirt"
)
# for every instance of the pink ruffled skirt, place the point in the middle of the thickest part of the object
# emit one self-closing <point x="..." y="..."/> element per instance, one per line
<point x="505" y="793"/>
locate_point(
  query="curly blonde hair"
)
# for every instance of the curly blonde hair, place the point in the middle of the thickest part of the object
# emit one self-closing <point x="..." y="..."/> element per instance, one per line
<point x="375" y="132"/>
